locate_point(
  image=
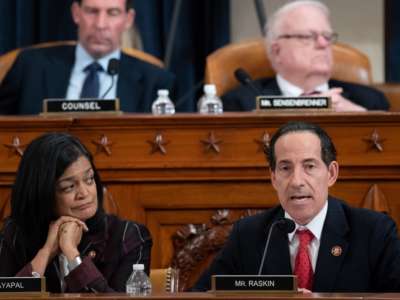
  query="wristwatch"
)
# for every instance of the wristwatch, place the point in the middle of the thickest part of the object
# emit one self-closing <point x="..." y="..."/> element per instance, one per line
<point x="72" y="264"/>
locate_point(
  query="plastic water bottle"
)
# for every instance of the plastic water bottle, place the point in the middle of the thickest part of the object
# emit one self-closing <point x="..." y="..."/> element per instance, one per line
<point x="210" y="103"/>
<point x="138" y="283"/>
<point x="163" y="104"/>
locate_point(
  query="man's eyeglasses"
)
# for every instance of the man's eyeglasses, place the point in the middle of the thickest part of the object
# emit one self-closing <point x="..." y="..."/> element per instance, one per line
<point x="307" y="38"/>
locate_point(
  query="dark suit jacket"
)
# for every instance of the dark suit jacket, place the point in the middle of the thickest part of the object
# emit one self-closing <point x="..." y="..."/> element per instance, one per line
<point x="117" y="246"/>
<point x="44" y="73"/>
<point x="370" y="259"/>
<point x="243" y="97"/>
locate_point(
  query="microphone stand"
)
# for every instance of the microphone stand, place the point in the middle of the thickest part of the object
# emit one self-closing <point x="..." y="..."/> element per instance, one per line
<point x="110" y="87"/>
<point x="266" y="248"/>
<point x="172" y="33"/>
<point x="285" y="225"/>
<point x="262" y="19"/>
<point x="112" y="70"/>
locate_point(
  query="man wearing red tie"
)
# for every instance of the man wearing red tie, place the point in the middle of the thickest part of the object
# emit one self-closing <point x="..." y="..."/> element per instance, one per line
<point x="334" y="247"/>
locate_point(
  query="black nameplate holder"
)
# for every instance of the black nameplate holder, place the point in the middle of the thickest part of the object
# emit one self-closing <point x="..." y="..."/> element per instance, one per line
<point x="25" y="285"/>
<point x="51" y="106"/>
<point x="254" y="283"/>
<point x="281" y="103"/>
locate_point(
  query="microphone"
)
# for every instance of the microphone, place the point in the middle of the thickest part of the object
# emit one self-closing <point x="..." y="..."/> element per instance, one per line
<point x="262" y="19"/>
<point x="286" y="226"/>
<point x="189" y="93"/>
<point x="244" y="78"/>
<point x="112" y="69"/>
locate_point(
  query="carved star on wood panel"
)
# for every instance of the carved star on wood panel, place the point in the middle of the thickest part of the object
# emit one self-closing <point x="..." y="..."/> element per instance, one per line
<point x="212" y="143"/>
<point x="103" y="145"/>
<point x="158" y="144"/>
<point x="375" y="141"/>
<point x="263" y="142"/>
<point x="16" y="146"/>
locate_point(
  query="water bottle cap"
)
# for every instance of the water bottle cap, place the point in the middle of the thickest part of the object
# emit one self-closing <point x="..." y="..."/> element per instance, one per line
<point x="210" y="89"/>
<point x="163" y="93"/>
<point x="138" y="267"/>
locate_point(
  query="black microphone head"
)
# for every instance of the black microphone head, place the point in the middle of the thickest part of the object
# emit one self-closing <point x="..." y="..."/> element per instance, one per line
<point x="242" y="76"/>
<point x="113" y="66"/>
<point x="286" y="225"/>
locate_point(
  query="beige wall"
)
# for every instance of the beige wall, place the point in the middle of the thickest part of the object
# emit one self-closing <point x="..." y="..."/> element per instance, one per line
<point x="358" y="22"/>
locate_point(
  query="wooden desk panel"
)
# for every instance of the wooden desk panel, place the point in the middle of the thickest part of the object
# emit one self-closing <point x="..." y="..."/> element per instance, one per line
<point x="207" y="296"/>
<point x="188" y="183"/>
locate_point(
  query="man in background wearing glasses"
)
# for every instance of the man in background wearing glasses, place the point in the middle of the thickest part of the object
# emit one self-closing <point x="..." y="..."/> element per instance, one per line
<point x="299" y="44"/>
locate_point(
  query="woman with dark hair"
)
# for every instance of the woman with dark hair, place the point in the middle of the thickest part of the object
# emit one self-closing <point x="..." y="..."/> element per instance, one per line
<point x="58" y="228"/>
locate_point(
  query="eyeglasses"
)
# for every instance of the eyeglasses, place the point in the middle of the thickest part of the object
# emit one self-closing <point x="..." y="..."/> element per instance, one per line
<point x="307" y="38"/>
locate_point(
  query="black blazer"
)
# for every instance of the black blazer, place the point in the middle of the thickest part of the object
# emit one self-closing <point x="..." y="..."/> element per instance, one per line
<point x="243" y="97"/>
<point x="370" y="259"/>
<point x="44" y="73"/>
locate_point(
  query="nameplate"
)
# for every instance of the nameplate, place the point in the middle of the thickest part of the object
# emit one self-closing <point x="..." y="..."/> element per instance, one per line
<point x="22" y="285"/>
<point x="293" y="103"/>
<point x="80" y="105"/>
<point x="254" y="283"/>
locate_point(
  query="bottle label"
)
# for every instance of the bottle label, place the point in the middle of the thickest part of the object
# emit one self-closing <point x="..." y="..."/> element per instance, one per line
<point x="163" y="108"/>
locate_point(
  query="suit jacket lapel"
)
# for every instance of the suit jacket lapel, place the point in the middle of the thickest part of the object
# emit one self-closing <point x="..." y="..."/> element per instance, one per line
<point x="56" y="76"/>
<point x="277" y="261"/>
<point x="267" y="86"/>
<point x="271" y="87"/>
<point x="335" y="84"/>
<point x="333" y="248"/>
<point x="129" y="89"/>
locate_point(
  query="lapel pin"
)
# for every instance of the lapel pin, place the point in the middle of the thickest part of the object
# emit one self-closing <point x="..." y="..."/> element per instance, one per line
<point x="336" y="250"/>
<point x="92" y="254"/>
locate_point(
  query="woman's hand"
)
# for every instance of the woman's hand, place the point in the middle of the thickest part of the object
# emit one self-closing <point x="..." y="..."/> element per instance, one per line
<point x="51" y="247"/>
<point x="70" y="234"/>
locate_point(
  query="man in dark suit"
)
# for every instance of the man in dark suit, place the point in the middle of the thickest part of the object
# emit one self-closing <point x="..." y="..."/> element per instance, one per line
<point x="334" y="248"/>
<point x="299" y="44"/>
<point x="61" y="72"/>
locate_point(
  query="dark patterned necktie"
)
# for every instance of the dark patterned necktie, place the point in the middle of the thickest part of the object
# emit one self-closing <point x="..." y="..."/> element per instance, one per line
<point x="302" y="266"/>
<point x="313" y="93"/>
<point x="91" y="85"/>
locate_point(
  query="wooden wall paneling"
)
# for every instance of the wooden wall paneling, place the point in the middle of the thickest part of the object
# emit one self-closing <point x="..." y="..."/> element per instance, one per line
<point x="190" y="180"/>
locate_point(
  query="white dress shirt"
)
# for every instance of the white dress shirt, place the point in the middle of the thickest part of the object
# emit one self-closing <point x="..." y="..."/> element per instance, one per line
<point x="290" y="90"/>
<point x="315" y="226"/>
<point x="78" y="75"/>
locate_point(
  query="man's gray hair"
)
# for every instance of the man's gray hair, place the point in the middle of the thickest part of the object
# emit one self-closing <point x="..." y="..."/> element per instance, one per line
<point x="272" y="27"/>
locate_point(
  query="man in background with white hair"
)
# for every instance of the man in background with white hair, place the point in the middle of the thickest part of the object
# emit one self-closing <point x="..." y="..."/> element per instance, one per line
<point x="299" y="44"/>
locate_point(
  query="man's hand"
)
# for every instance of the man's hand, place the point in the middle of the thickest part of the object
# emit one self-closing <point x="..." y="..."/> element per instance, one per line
<point x="339" y="103"/>
<point x="304" y="291"/>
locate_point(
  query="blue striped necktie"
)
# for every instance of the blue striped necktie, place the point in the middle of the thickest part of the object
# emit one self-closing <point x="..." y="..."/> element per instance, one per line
<point x="91" y="85"/>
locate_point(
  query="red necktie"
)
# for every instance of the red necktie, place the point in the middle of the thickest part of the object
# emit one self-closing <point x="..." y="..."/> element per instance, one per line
<point x="302" y="266"/>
